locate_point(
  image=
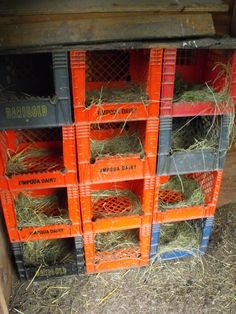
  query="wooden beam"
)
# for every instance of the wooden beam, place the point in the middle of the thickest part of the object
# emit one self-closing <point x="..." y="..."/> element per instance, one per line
<point x="22" y="7"/>
<point x="3" y="304"/>
<point x="105" y="30"/>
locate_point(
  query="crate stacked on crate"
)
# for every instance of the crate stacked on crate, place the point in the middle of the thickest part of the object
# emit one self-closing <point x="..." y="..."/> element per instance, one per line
<point x="196" y="117"/>
<point x="38" y="170"/>
<point x="116" y="97"/>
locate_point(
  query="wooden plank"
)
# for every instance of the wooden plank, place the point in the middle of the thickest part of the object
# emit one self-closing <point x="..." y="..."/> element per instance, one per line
<point x="3" y="304"/>
<point x="22" y="7"/>
<point x="105" y="30"/>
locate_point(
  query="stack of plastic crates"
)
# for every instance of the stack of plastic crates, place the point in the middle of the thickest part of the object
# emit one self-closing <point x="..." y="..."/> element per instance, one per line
<point x="38" y="170"/>
<point x="196" y="115"/>
<point x="116" y="96"/>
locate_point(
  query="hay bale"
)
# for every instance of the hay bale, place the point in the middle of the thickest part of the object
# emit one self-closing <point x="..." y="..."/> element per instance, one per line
<point x="131" y="93"/>
<point x="184" y="235"/>
<point x="124" y="144"/>
<point x="47" y="252"/>
<point x="40" y="211"/>
<point x="112" y="203"/>
<point x="116" y="240"/>
<point x="193" y="193"/>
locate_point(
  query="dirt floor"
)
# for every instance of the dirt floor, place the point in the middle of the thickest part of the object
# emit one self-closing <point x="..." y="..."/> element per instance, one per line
<point x="197" y="285"/>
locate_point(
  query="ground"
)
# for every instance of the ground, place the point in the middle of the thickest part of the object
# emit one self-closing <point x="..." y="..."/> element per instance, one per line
<point x="196" y="285"/>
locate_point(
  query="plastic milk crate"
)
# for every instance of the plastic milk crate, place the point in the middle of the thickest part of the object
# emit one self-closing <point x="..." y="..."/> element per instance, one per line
<point x="35" y="91"/>
<point x="193" y="144"/>
<point x="42" y="214"/>
<point x="115" y="85"/>
<point x="38" y="158"/>
<point x="197" y="233"/>
<point x="70" y="261"/>
<point x="198" y="82"/>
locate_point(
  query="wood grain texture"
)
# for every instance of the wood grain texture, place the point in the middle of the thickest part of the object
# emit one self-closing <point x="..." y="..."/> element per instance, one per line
<point x="22" y="7"/>
<point x="105" y="30"/>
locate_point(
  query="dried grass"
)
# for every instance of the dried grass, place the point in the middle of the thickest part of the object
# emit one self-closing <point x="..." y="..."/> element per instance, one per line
<point x="124" y="144"/>
<point x="116" y="240"/>
<point x="191" y="190"/>
<point x="39" y="211"/>
<point x="47" y="252"/>
<point x="131" y="93"/>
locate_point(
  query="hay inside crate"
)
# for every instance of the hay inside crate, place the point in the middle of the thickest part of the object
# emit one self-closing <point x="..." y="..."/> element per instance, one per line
<point x="191" y="192"/>
<point x="48" y="252"/>
<point x="33" y="160"/>
<point x="116" y="240"/>
<point x="197" y="133"/>
<point x="112" y="203"/>
<point x="124" y="144"/>
<point x="131" y="93"/>
<point x="184" y="235"/>
<point x="41" y="210"/>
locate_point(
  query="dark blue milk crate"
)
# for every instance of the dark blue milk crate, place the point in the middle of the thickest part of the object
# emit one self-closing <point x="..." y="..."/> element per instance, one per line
<point x="181" y="161"/>
<point x="156" y="254"/>
<point x="50" y="270"/>
<point x="34" y="91"/>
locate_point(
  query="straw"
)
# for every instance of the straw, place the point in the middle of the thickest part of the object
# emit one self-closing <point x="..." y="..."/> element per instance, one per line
<point x="192" y="192"/>
<point x="118" y="145"/>
<point x="111" y="203"/>
<point x="130" y="93"/>
<point x="47" y="252"/>
<point x="109" y="241"/>
<point x="39" y="211"/>
<point x="184" y="235"/>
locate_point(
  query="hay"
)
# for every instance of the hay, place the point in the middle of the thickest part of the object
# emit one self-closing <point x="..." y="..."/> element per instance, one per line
<point x="108" y="210"/>
<point x="118" y="145"/>
<point x="131" y="93"/>
<point x="40" y="211"/>
<point x="109" y="241"/>
<point x="31" y="158"/>
<point x="196" y="133"/>
<point x="192" y="192"/>
<point x="182" y="235"/>
<point x="47" y="252"/>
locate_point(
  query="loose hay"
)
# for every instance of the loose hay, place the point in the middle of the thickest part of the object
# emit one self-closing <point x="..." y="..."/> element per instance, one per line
<point x="47" y="252"/>
<point x="31" y="159"/>
<point x="125" y="144"/>
<point x="132" y="93"/>
<point x="192" y="192"/>
<point x="109" y="241"/>
<point x="40" y="211"/>
<point x="179" y="236"/>
<point x="196" y="133"/>
<point x="112" y="203"/>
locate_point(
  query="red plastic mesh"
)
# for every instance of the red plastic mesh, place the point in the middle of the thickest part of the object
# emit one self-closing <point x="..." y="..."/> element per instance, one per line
<point x="206" y="180"/>
<point x="117" y="254"/>
<point x="43" y="164"/>
<point x="186" y="57"/>
<point x="107" y="126"/>
<point x="39" y="135"/>
<point x="111" y="206"/>
<point x="169" y="196"/>
<point x="107" y="66"/>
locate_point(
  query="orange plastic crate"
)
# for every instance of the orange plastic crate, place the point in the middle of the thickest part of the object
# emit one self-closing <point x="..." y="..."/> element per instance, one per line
<point x="67" y="198"/>
<point x="209" y="182"/>
<point x="55" y="169"/>
<point x="120" y="258"/>
<point x="105" y="213"/>
<point x="116" y="167"/>
<point x="115" y="70"/>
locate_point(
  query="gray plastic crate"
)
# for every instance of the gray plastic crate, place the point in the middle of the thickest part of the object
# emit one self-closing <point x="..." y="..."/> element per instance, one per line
<point x="34" y="91"/>
<point x="50" y="271"/>
<point x="180" y="162"/>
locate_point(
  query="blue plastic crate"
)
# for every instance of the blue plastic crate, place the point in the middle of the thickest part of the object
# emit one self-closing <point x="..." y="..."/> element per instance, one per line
<point x="181" y="162"/>
<point x="206" y="229"/>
